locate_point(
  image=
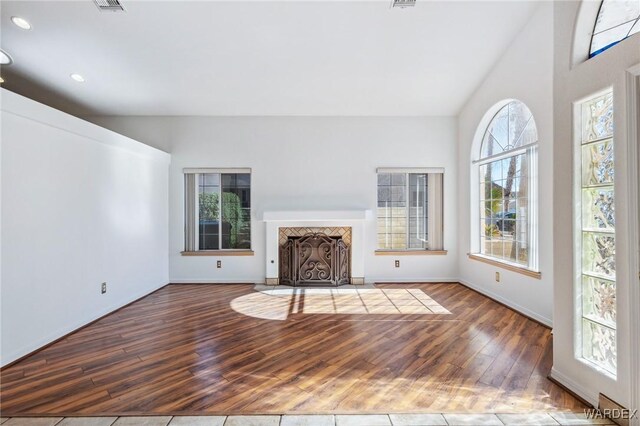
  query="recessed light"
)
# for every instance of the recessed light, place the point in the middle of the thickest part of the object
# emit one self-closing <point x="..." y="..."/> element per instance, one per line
<point x="5" y="59"/>
<point x="1" y="80"/>
<point x="77" y="77"/>
<point x="21" y="22"/>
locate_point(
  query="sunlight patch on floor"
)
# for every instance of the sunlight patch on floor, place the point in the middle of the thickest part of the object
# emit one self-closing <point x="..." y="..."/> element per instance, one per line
<point x="279" y="303"/>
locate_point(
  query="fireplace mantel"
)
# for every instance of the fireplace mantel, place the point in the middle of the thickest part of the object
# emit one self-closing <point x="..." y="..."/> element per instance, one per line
<point x="315" y="215"/>
<point x="355" y="219"/>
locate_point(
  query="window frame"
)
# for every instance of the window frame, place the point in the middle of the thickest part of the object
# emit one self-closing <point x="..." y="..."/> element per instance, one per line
<point x="197" y="172"/>
<point x="407" y="171"/>
<point x="579" y="229"/>
<point x="530" y="150"/>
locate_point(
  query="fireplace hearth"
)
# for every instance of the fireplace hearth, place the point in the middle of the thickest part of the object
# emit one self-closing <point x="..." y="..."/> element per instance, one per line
<point x="315" y="259"/>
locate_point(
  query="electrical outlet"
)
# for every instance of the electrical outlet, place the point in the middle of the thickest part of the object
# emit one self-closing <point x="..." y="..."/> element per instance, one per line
<point x="219" y="264"/>
<point x="103" y="288"/>
<point x="397" y="263"/>
<point x="497" y="277"/>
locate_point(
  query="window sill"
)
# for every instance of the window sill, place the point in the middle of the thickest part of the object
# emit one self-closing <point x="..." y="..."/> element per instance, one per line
<point x="410" y="252"/>
<point x="513" y="268"/>
<point x="218" y="253"/>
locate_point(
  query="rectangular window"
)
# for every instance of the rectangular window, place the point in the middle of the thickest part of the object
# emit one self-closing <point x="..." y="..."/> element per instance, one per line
<point x="409" y="209"/>
<point x="505" y="210"/>
<point x="595" y="226"/>
<point x="218" y="201"/>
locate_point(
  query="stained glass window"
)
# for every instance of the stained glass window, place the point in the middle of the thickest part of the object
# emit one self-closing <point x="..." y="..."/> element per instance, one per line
<point x="617" y="20"/>
<point x="597" y="245"/>
<point x="506" y="170"/>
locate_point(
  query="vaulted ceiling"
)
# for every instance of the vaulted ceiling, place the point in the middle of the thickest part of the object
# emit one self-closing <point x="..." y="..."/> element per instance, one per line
<point x="258" y="57"/>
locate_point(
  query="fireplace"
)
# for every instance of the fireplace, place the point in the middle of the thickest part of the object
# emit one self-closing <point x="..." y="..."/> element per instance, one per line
<point x="283" y="225"/>
<point x="315" y="257"/>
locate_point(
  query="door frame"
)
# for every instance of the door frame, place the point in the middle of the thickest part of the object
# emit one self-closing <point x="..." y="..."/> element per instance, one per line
<point x="633" y="164"/>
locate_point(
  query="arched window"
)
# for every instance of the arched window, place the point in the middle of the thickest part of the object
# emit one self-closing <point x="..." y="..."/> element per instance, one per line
<point x="507" y="170"/>
<point x="617" y="20"/>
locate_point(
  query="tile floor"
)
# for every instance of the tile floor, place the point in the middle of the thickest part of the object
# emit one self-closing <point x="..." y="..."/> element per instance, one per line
<point x="564" y="419"/>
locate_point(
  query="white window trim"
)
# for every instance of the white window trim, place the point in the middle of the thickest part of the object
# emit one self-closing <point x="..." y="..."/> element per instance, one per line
<point x="577" y="235"/>
<point x="205" y="170"/>
<point x="475" y="249"/>
<point x="408" y="170"/>
<point x="506" y="154"/>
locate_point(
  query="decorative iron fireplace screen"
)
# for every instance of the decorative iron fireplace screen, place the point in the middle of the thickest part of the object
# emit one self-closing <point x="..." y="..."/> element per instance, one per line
<point x="314" y="259"/>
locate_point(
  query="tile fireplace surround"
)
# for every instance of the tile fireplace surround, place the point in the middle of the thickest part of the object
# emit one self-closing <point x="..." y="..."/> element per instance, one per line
<point x="277" y="221"/>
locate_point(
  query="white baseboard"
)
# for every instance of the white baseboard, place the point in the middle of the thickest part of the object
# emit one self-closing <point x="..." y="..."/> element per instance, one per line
<point x="583" y="393"/>
<point x="211" y="281"/>
<point x="374" y="280"/>
<point x="262" y="280"/>
<point x="516" y="307"/>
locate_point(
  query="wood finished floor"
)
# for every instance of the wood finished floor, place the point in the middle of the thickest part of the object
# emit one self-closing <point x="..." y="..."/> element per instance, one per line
<point x="227" y="349"/>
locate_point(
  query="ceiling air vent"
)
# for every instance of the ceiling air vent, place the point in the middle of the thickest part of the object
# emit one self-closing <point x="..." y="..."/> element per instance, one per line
<point x="109" y="5"/>
<point x="403" y="3"/>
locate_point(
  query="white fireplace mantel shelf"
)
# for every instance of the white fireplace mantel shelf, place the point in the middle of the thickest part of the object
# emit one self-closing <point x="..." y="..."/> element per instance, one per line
<point x="316" y="215"/>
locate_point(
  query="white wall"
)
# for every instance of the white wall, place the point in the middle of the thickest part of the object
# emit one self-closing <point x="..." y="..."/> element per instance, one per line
<point x="573" y="83"/>
<point x="525" y="72"/>
<point x="80" y="205"/>
<point x="302" y="163"/>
